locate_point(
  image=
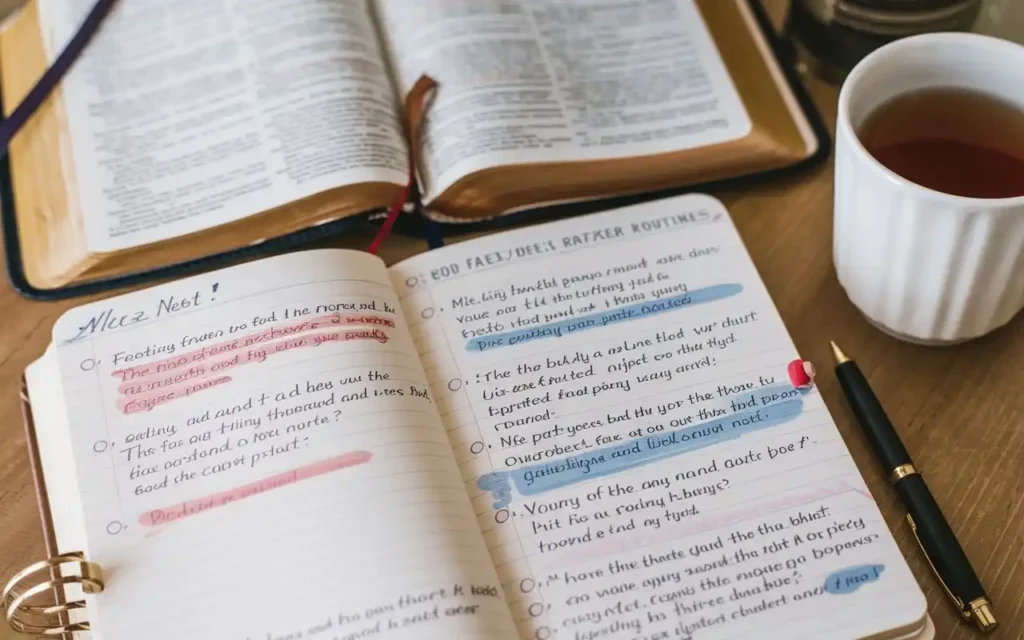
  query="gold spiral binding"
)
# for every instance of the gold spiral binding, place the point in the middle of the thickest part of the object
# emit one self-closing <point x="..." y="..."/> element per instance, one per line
<point x="20" y="598"/>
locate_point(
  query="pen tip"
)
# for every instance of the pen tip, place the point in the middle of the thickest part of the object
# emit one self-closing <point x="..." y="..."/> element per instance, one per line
<point x="838" y="353"/>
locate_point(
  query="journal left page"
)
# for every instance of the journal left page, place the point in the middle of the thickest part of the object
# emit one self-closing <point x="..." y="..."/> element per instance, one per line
<point x="258" y="456"/>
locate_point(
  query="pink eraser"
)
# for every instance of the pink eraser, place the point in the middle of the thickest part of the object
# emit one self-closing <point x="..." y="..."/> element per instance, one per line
<point x="801" y="373"/>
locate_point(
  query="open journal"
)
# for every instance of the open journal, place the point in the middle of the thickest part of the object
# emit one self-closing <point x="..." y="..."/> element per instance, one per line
<point x="220" y="124"/>
<point x="578" y="430"/>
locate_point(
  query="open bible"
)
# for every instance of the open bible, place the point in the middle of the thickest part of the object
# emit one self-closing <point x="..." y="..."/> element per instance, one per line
<point x="195" y="131"/>
<point x="580" y="430"/>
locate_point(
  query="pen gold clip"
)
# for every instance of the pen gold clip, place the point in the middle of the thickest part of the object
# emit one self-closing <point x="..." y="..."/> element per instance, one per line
<point x="957" y="601"/>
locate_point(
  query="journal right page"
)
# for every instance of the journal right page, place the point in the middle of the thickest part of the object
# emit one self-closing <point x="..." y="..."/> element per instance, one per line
<point x="615" y="388"/>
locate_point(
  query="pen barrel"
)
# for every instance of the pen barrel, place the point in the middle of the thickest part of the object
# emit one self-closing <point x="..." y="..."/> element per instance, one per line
<point x="872" y="417"/>
<point x="938" y="540"/>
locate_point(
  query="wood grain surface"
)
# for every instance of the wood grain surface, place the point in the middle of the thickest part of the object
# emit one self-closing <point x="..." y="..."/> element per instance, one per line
<point x="959" y="409"/>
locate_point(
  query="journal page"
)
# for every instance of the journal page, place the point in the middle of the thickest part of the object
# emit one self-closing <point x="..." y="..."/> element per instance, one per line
<point x="259" y="456"/>
<point x="615" y="389"/>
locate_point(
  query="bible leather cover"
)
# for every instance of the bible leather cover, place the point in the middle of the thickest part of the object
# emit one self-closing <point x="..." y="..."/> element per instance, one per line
<point x="409" y="224"/>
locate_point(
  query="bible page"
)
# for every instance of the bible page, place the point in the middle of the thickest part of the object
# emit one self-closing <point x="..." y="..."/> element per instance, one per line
<point x="615" y="389"/>
<point x="559" y="80"/>
<point x="187" y="117"/>
<point x="260" y="457"/>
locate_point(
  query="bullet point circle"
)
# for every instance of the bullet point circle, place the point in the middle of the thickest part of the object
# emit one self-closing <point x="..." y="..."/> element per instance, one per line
<point x="100" y="446"/>
<point x="115" y="528"/>
<point x="427" y="313"/>
<point x="526" y="585"/>
<point x="454" y="384"/>
<point x="88" y="364"/>
<point x="501" y="516"/>
<point x="543" y="633"/>
<point x="412" y="281"/>
<point x="536" y="609"/>
<point x="476" y="447"/>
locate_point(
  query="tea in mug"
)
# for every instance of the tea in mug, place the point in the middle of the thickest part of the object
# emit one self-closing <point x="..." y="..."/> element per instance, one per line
<point x="956" y="141"/>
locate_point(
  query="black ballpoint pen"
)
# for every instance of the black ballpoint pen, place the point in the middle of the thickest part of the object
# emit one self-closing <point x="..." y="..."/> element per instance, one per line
<point x="933" y="533"/>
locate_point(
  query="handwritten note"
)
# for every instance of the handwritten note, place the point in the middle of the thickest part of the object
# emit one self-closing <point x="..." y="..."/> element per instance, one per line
<point x="278" y="426"/>
<point x="615" y="390"/>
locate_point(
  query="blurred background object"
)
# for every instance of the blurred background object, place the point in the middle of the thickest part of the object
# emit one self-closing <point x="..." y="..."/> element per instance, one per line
<point x="832" y="36"/>
<point x="1003" y="19"/>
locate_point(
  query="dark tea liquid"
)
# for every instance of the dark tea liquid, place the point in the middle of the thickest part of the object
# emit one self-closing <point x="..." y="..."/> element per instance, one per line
<point x="951" y="140"/>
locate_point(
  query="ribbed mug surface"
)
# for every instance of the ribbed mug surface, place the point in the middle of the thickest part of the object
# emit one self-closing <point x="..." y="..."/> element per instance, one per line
<point x="923" y="265"/>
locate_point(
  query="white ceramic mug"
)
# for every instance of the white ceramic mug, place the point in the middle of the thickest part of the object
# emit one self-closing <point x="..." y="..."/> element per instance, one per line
<point x="922" y="265"/>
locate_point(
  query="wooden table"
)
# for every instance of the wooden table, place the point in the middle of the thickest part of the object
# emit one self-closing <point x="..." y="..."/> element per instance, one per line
<point x="960" y="409"/>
